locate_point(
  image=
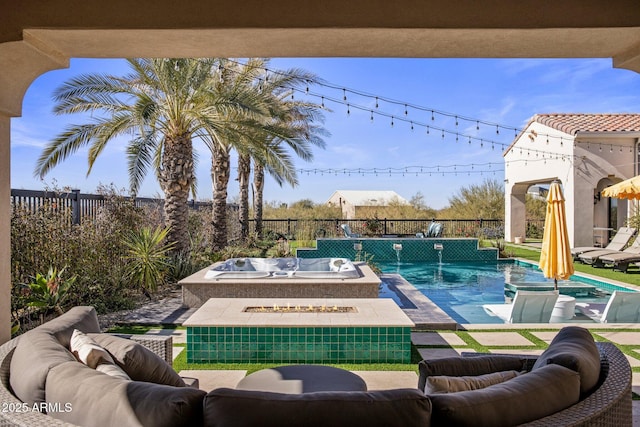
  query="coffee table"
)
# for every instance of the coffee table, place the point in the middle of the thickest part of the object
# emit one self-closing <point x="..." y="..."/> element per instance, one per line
<point x="294" y="379"/>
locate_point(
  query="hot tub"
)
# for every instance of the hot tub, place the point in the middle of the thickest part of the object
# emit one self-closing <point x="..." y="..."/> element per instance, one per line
<point x="280" y="278"/>
<point x="312" y="268"/>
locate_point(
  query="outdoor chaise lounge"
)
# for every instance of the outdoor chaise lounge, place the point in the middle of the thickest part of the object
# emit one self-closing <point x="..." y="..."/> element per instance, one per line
<point x="620" y="260"/>
<point x="622" y="307"/>
<point x="527" y="307"/>
<point x="598" y="258"/>
<point x="348" y="233"/>
<point x="619" y="241"/>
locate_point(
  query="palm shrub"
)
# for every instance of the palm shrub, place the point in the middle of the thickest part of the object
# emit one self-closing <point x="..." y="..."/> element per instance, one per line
<point x="147" y="258"/>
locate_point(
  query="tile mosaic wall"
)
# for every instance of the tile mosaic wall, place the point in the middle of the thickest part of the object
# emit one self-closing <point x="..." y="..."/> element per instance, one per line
<point x="299" y="344"/>
<point x="413" y="250"/>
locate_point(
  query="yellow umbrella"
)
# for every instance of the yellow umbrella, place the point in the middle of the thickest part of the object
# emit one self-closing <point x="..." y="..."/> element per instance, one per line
<point x="629" y="189"/>
<point x="555" y="259"/>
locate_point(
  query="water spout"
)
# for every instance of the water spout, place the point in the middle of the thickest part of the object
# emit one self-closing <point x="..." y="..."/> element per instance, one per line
<point x="397" y="247"/>
<point x="438" y="247"/>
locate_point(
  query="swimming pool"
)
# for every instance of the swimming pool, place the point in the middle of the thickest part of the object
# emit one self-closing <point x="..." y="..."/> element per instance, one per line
<point x="460" y="289"/>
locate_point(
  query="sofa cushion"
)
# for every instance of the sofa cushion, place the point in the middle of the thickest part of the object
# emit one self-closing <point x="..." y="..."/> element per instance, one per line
<point x="225" y="407"/>
<point x="525" y="398"/>
<point x="140" y="363"/>
<point x="102" y="400"/>
<point x="468" y="366"/>
<point x="447" y="384"/>
<point x="35" y="354"/>
<point x="44" y="347"/>
<point x="574" y="348"/>
<point x="91" y="354"/>
<point x="83" y="318"/>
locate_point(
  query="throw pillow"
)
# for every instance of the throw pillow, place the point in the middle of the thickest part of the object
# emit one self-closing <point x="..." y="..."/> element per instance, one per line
<point x="91" y="354"/>
<point x="471" y="366"/>
<point x="528" y="397"/>
<point x="140" y="363"/>
<point x="447" y="384"/>
<point x="574" y="348"/>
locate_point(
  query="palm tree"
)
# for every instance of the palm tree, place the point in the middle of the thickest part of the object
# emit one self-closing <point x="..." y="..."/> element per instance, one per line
<point x="255" y="137"/>
<point x="163" y="104"/>
<point x="292" y="123"/>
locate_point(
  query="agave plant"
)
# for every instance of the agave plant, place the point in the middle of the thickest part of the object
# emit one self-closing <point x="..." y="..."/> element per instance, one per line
<point x="49" y="292"/>
<point x="147" y="257"/>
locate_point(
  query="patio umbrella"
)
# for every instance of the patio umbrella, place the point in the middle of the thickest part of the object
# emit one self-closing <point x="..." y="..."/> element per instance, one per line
<point x="555" y="259"/>
<point x="629" y="189"/>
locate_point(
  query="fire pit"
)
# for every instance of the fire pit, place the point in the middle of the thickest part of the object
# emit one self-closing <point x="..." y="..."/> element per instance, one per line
<point x="271" y="330"/>
<point x="300" y="309"/>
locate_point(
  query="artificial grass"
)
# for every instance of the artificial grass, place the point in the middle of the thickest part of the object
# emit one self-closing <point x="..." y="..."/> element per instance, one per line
<point x="632" y="277"/>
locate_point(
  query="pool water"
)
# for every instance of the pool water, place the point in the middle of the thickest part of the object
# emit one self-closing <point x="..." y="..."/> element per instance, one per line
<point x="460" y="289"/>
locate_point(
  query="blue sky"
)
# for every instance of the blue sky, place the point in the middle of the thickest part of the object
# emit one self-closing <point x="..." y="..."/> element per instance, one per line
<point x="504" y="91"/>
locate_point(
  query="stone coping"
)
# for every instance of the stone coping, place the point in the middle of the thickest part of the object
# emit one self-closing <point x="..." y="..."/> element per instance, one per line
<point x="230" y="312"/>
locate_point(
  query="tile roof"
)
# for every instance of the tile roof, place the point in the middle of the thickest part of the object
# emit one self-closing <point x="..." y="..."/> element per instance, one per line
<point x="574" y="123"/>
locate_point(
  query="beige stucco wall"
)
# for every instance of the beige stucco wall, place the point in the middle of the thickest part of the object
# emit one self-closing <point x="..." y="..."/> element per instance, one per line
<point x="590" y="162"/>
<point x="37" y="36"/>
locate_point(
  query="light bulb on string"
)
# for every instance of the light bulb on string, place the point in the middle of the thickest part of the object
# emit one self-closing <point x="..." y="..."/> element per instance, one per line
<point x="412" y="126"/>
<point x="456" y="120"/>
<point x="376" y="102"/>
<point x="427" y="130"/>
<point x="497" y="130"/>
<point x="481" y="143"/>
<point x="442" y="133"/>
<point x="344" y="94"/>
<point x="432" y="116"/>
<point x="348" y="110"/>
<point x="405" y="110"/>
<point x="371" y="116"/>
<point x="477" y="125"/>
<point x="322" y="103"/>
<point x="391" y="121"/>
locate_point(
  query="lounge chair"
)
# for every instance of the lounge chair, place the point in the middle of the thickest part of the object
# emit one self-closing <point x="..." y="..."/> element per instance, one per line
<point x="619" y="241"/>
<point x="435" y="229"/>
<point x="527" y="307"/>
<point x="620" y="260"/>
<point x="348" y="233"/>
<point x="622" y="307"/>
<point x="597" y="258"/>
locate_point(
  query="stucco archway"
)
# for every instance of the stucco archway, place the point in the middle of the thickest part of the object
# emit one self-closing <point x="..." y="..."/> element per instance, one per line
<point x="36" y="37"/>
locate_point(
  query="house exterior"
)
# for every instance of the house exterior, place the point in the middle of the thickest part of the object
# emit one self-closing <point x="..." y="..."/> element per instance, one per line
<point x="586" y="153"/>
<point x="360" y="204"/>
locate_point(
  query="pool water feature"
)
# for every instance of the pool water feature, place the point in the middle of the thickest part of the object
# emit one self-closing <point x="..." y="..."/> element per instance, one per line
<point x="460" y="289"/>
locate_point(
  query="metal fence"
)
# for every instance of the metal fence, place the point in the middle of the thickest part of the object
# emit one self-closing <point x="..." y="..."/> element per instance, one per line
<point x="305" y="229"/>
<point x="78" y="206"/>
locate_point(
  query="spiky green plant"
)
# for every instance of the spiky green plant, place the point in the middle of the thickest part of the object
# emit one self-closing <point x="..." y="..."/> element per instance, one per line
<point x="147" y="258"/>
<point x="49" y="292"/>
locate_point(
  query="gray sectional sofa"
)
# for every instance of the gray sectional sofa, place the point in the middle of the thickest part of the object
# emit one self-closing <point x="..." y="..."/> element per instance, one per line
<point x="575" y="382"/>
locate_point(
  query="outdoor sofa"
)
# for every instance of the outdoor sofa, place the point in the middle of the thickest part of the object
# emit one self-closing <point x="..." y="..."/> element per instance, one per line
<point x="38" y="367"/>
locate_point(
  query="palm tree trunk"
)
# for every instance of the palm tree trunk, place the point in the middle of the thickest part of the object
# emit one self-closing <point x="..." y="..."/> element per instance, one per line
<point x="220" y="172"/>
<point x="244" y="170"/>
<point x="258" y="183"/>
<point x="176" y="179"/>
